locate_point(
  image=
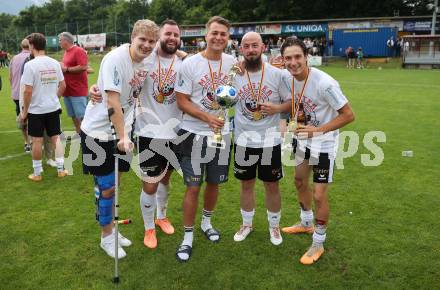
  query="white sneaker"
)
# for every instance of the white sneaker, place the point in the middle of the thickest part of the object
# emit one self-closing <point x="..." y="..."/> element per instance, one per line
<point x="123" y="241"/>
<point x="51" y="163"/>
<point x="242" y="233"/>
<point x="275" y="236"/>
<point x="108" y="245"/>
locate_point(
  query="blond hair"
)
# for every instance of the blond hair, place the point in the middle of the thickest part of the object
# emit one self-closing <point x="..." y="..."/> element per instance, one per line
<point x="219" y="20"/>
<point x="145" y="26"/>
<point x="25" y="44"/>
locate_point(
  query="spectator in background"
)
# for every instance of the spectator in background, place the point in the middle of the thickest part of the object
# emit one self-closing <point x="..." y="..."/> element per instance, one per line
<point x="47" y="146"/>
<point x="15" y="72"/>
<point x="2" y="58"/>
<point x="360" y="57"/>
<point x="351" y="55"/>
<point x="279" y="42"/>
<point x="390" y="45"/>
<point x="398" y="47"/>
<point x="43" y="84"/>
<point x="74" y="67"/>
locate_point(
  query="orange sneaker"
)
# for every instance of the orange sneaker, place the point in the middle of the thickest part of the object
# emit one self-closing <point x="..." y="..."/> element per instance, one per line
<point x="35" y="178"/>
<point x="62" y="174"/>
<point x="298" y="228"/>
<point x="150" y="240"/>
<point x="165" y="225"/>
<point x="312" y="255"/>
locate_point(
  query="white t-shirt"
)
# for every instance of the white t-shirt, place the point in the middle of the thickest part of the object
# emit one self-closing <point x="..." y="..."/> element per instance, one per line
<point x="322" y="99"/>
<point x="119" y="74"/>
<point x="194" y="79"/>
<point x="44" y="74"/>
<point x="158" y="115"/>
<point x="249" y="130"/>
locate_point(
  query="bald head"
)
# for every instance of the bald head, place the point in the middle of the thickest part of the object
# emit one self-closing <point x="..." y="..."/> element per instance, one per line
<point x="252" y="37"/>
<point x="252" y="47"/>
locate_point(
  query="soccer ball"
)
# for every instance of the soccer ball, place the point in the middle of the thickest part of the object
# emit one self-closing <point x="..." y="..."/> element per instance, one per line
<point x="167" y="90"/>
<point x="251" y="104"/>
<point x="226" y="96"/>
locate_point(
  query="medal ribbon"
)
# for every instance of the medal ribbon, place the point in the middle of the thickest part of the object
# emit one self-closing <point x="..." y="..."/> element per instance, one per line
<point x="161" y="84"/>
<point x="296" y="107"/>
<point x="213" y="86"/>
<point x="259" y="87"/>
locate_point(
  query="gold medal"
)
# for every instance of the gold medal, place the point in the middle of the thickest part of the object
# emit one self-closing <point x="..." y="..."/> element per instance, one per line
<point x="160" y="98"/>
<point x="257" y="115"/>
<point x="292" y="126"/>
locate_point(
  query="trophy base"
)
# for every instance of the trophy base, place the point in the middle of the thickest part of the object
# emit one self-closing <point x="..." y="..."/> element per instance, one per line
<point x="217" y="143"/>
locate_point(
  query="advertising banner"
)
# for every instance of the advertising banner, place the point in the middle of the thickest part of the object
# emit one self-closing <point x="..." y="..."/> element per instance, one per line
<point x="92" y="40"/>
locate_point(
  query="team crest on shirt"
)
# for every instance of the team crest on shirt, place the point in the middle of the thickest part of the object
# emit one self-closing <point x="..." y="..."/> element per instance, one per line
<point x="248" y="103"/>
<point x="167" y="94"/>
<point x="136" y="84"/>
<point x="208" y="99"/>
<point x="116" y="79"/>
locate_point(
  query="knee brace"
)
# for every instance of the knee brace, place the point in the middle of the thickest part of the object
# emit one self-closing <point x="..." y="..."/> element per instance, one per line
<point x="105" y="182"/>
<point x="105" y="208"/>
<point x="104" y="205"/>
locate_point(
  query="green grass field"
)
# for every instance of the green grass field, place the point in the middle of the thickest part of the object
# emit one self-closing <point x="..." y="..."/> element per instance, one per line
<point x="50" y="240"/>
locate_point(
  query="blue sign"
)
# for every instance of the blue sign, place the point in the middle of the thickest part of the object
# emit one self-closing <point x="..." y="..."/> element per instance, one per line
<point x="304" y="28"/>
<point x="241" y="30"/>
<point x="419" y="26"/>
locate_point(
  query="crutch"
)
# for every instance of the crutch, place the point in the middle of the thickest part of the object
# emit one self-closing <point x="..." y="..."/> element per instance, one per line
<point x="116" y="275"/>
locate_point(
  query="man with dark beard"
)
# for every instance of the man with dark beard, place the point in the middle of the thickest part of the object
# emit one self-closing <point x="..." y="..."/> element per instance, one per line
<point x="263" y="92"/>
<point x="156" y="120"/>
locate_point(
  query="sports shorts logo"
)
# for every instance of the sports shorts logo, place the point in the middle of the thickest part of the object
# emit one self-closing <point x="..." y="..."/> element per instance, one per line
<point x="239" y="171"/>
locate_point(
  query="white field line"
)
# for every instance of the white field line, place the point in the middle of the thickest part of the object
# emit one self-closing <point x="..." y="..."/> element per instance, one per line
<point x="19" y="131"/>
<point x="430" y="86"/>
<point x="13" y="156"/>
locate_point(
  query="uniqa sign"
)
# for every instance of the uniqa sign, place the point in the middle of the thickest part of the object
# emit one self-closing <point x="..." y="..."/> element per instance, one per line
<point x="296" y="28"/>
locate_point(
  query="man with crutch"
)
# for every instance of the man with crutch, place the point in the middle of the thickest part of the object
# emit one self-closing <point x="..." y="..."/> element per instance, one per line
<point x="121" y="76"/>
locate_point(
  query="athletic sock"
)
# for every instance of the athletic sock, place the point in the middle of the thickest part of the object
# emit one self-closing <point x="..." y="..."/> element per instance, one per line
<point x="319" y="234"/>
<point x="187" y="240"/>
<point x="306" y="218"/>
<point x="38" y="167"/>
<point x="162" y="200"/>
<point x="60" y="164"/>
<point x="247" y="216"/>
<point x="189" y="236"/>
<point x="148" y="207"/>
<point x="206" y="220"/>
<point x="274" y="219"/>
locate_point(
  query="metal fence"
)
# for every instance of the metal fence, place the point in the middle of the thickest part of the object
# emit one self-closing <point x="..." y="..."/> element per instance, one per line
<point x="118" y="31"/>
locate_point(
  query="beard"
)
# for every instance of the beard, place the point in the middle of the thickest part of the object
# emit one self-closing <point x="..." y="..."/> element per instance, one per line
<point x="169" y="50"/>
<point x="252" y="64"/>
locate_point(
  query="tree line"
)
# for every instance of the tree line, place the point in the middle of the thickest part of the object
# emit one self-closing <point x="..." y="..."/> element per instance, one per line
<point x="93" y="16"/>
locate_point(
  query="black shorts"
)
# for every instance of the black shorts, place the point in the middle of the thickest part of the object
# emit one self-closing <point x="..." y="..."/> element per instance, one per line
<point x="322" y="165"/>
<point x="98" y="157"/>
<point x="153" y="156"/>
<point x="17" y="107"/>
<point x="50" y="122"/>
<point x="267" y="160"/>
<point x="197" y="160"/>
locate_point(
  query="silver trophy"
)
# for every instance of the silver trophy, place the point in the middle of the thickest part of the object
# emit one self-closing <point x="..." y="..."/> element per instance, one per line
<point x="226" y="97"/>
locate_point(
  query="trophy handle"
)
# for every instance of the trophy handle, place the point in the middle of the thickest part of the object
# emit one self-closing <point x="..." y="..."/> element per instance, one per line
<point x="235" y="69"/>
